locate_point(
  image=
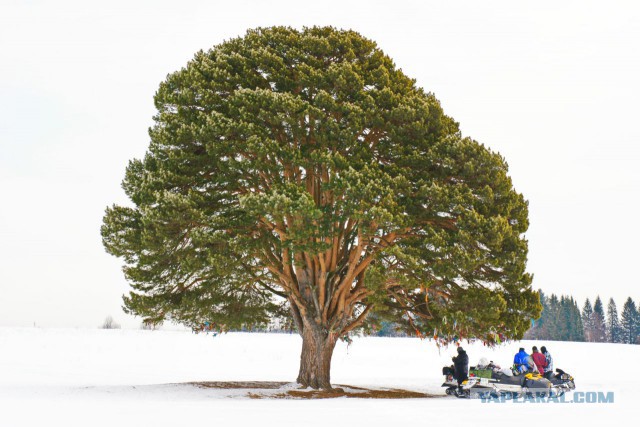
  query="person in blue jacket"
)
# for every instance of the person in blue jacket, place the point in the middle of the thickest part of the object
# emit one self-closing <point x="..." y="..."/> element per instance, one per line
<point x="520" y="361"/>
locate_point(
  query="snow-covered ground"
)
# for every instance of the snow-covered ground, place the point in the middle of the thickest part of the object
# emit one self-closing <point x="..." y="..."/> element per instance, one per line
<point x="78" y="377"/>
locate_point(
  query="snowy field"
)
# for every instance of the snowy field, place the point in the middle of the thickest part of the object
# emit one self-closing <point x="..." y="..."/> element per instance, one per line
<point x="92" y="377"/>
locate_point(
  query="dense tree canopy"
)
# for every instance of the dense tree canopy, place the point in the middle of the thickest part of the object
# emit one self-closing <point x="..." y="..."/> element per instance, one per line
<point x="301" y="174"/>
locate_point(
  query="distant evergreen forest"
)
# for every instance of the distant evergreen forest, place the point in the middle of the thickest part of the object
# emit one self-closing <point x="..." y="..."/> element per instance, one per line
<point x="562" y="320"/>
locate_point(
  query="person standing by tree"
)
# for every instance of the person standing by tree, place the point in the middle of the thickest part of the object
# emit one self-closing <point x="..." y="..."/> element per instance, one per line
<point x="548" y="369"/>
<point x="461" y="367"/>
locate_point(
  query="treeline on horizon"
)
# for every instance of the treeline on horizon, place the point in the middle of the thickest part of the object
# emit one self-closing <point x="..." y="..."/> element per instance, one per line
<point x="562" y="320"/>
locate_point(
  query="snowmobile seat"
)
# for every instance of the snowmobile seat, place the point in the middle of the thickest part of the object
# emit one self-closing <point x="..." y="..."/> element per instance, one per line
<point x="506" y="379"/>
<point x="541" y="383"/>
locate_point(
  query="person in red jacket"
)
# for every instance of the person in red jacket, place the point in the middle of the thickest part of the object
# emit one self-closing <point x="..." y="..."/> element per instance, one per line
<point x="539" y="359"/>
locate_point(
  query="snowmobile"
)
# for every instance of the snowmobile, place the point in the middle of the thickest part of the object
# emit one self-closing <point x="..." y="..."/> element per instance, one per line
<point x="493" y="382"/>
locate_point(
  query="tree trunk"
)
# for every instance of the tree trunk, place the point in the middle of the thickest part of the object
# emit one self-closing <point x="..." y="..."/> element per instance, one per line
<point x="315" y="359"/>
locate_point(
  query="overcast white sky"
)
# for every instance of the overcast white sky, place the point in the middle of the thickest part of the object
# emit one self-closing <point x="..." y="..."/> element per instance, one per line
<point x="551" y="85"/>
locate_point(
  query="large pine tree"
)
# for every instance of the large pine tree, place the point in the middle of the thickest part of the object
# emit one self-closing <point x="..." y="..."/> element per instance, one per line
<point x="303" y="170"/>
<point x="613" y="323"/>
<point x="629" y="322"/>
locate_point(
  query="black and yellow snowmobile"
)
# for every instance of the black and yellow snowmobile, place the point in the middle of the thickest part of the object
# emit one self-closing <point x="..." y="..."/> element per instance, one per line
<point x="493" y="382"/>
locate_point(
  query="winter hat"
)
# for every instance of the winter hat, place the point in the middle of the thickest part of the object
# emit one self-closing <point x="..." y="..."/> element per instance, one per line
<point x="543" y="349"/>
<point x="460" y="349"/>
<point x="521" y="348"/>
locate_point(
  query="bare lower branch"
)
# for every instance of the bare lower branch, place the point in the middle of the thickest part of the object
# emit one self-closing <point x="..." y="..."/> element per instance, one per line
<point x="358" y="322"/>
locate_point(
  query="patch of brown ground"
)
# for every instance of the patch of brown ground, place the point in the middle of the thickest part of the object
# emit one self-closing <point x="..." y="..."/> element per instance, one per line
<point x="360" y="394"/>
<point x="268" y="385"/>
<point x="350" y="392"/>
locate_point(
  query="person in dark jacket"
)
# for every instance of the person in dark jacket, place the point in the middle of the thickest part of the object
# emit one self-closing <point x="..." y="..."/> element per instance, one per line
<point x="461" y="367"/>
